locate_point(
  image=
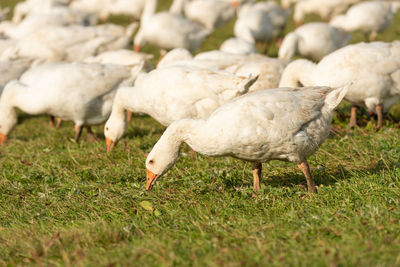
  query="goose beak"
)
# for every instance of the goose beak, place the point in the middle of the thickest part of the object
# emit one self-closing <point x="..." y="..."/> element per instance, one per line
<point x="151" y="179"/>
<point x="3" y="138"/>
<point x="136" y="48"/>
<point x="235" y="4"/>
<point x="298" y="23"/>
<point x="110" y="144"/>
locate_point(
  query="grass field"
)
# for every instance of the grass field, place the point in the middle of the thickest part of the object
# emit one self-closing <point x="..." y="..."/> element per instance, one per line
<point x="64" y="203"/>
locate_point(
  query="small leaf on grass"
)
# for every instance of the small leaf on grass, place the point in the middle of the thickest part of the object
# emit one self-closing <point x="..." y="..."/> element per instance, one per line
<point x="146" y="205"/>
<point x="157" y="213"/>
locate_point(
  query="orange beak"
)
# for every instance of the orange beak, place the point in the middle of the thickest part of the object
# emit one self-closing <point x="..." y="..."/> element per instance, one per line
<point x="110" y="144"/>
<point x="235" y="4"/>
<point x="299" y="23"/>
<point x="3" y="138"/>
<point x="151" y="179"/>
<point x="136" y="48"/>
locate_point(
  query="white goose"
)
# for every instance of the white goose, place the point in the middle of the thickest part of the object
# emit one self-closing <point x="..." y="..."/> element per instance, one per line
<point x="313" y="40"/>
<point x="326" y="9"/>
<point x="238" y="46"/>
<point x="24" y="8"/>
<point x="104" y="8"/>
<point x="10" y="70"/>
<point x="73" y="43"/>
<point x="173" y="93"/>
<point x="280" y="124"/>
<point x="210" y="13"/>
<point x="373" y="69"/>
<point x="371" y="18"/>
<point x="123" y="57"/>
<point x="82" y="93"/>
<point x="169" y="30"/>
<point x="268" y="69"/>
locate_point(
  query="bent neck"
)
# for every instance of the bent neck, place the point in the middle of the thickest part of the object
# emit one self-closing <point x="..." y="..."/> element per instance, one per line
<point x="177" y="7"/>
<point x="148" y="11"/>
<point x="299" y="72"/>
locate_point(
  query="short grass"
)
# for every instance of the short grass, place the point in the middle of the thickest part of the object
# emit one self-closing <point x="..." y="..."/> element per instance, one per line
<point x="63" y="203"/>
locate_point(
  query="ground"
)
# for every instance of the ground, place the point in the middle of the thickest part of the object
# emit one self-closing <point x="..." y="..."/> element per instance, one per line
<point x="67" y="203"/>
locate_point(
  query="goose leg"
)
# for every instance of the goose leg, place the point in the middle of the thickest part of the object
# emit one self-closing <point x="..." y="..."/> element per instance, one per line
<point x="306" y="170"/>
<point x="51" y="121"/>
<point x="257" y="167"/>
<point x="372" y="36"/>
<point x="78" y="132"/>
<point x="128" y="115"/>
<point x="90" y="134"/>
<point x="353" y="116"/>
<point x="379" y="112"/>
<point x="58" y="122"/>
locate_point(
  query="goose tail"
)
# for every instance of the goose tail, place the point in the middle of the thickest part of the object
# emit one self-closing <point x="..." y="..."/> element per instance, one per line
<point x="245" y="85"/>
<point x="334" y="97"/>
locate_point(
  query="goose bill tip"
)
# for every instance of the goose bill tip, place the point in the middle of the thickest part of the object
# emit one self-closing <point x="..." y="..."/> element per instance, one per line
<point x="151" y="179"/>
<point x="3" y="139"/>
<point x="110" y="144"/>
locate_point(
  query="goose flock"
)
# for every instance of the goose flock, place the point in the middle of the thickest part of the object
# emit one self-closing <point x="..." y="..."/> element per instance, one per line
<point x="64" y="59"/>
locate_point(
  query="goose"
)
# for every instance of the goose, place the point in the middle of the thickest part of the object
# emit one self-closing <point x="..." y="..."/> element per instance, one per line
<point x="168" y="30"/>
<point x="374" y="69"/>
<point x="326" y="9"/>
<point x="73" y="43"/>
<point x="313" y="40"/>
<point x="13" y="69"/>
<point x="78" y="92"/>
<point x="236" y="45"/>
<point x="22" y="9"/>
<point x="210" y="13"/>
<point x="35" y="22"/>
<point x="286" y="124"/>
<point x="260" y="21"/>
<point x="173" y="93"/>
<point x="122" y="57"/>
<point x="105" y="8"/>
<point x="268" y="69"/>
<point x="371" y="18"/>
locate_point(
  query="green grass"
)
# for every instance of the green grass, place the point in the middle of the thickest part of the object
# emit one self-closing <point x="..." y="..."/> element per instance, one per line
<point x="63" y="203"/>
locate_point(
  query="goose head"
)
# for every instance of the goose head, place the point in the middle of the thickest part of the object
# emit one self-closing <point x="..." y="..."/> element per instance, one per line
<point x="165" y="153"/>
<point x="7" y="122"/>
<point x="114" y="129"/>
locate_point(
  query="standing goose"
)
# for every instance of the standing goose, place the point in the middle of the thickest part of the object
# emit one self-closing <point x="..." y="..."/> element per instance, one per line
<point x="326" y="9"/>
<point x="372" y="68"/>
<point x="78" y="92"/>
<point x="313" y="40"/>
<point x="168" y="30"/>
<point x="172" y="93"/>
<point x="280" y="124"/>
<point x="210" y="13"/>
<point x="371" y="18"/>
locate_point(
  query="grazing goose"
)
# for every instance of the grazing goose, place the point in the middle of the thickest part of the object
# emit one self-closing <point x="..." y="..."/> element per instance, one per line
<point x="313" y="40"/>
<point x="371" y="18"/>
<point x="24" y="8"/>
<point x="326" y="9"/>
<point x="280" y="124"/>
<point x="238" y="46"/>
<point x="78" y="92"/>
<point x="373" y="69"/>
<point x="173" y="93"/>
<point x="210" y="13"/>
<point x="122" y="57"/>
<point x="168" y="30"/>
<point x="73" y="43"/>
<point x="268" y="69"/>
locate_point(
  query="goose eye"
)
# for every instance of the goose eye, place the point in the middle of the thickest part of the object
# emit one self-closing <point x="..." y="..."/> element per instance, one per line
<point x="106" y="128"/>
<point x="151" y="161"/>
